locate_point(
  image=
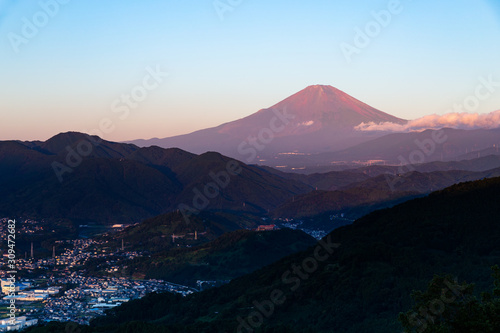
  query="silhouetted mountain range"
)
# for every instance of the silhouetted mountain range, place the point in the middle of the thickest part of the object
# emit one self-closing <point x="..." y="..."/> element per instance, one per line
<point x="122" y="183"/>
<point x="88" y="180"/>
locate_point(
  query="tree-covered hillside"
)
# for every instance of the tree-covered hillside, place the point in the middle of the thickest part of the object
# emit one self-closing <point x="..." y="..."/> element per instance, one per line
<point x="358" y="280"/>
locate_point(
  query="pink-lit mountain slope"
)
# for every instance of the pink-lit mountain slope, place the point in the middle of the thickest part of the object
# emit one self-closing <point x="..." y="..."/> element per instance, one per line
<point x="316" y="119"/>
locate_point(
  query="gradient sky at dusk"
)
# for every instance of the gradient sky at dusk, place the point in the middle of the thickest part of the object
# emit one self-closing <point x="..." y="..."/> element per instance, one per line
<point x="67" y="76"/>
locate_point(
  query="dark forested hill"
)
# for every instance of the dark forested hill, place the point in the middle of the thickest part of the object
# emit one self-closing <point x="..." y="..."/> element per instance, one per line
<point x="359" y="198"/>
<point x="356" y="280"/>
<point x="231" y="255"/>
<point x="86" y="179"/>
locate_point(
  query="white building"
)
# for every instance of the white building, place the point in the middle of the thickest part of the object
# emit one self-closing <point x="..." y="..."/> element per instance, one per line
<point x="6" y="286"/>
<point x="27" y="296"/>
<point x="21" y="323"/>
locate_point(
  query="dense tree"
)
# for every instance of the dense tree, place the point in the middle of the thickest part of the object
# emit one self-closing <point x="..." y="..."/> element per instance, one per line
<point x="447" y="307"/>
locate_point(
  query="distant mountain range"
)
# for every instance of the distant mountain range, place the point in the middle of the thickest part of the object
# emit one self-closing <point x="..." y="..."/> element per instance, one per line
<point x="122" y="183"/>
<point x="397" y="149"/>
<point x="316" y="119"/>
<point x="359" y="198"/>
<point x="315" y="130"/>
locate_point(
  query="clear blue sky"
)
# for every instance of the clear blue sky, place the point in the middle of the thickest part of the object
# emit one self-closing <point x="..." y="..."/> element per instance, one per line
<point x="67" y="75"/>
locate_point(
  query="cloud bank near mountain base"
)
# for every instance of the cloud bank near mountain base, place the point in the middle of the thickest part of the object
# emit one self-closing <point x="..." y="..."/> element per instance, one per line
<point x="452" y="120"/>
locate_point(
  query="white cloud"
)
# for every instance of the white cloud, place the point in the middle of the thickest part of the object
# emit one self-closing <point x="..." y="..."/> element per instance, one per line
<point x="452" y="120"/>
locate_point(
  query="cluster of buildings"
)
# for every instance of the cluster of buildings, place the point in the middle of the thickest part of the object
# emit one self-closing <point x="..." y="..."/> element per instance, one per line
<point x="79" y="298"/>
<point x="77" y="253"/>
<point x="91" y="296"/>
<point x="25" y="226"/>
<point x="62" y="289"/>
<point x="298" y="225"/>
<point x="25" y="292"/>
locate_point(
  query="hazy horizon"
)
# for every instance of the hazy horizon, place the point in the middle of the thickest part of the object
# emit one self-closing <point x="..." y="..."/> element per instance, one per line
<point x="67" y="74"/>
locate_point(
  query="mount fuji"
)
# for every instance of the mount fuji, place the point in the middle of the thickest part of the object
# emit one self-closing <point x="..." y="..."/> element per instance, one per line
<point x="316" y="119"/>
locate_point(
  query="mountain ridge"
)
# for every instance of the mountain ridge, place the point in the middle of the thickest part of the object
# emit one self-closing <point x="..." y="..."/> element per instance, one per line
<point x="122" y="183"/>
<point x="318" y="118"/>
